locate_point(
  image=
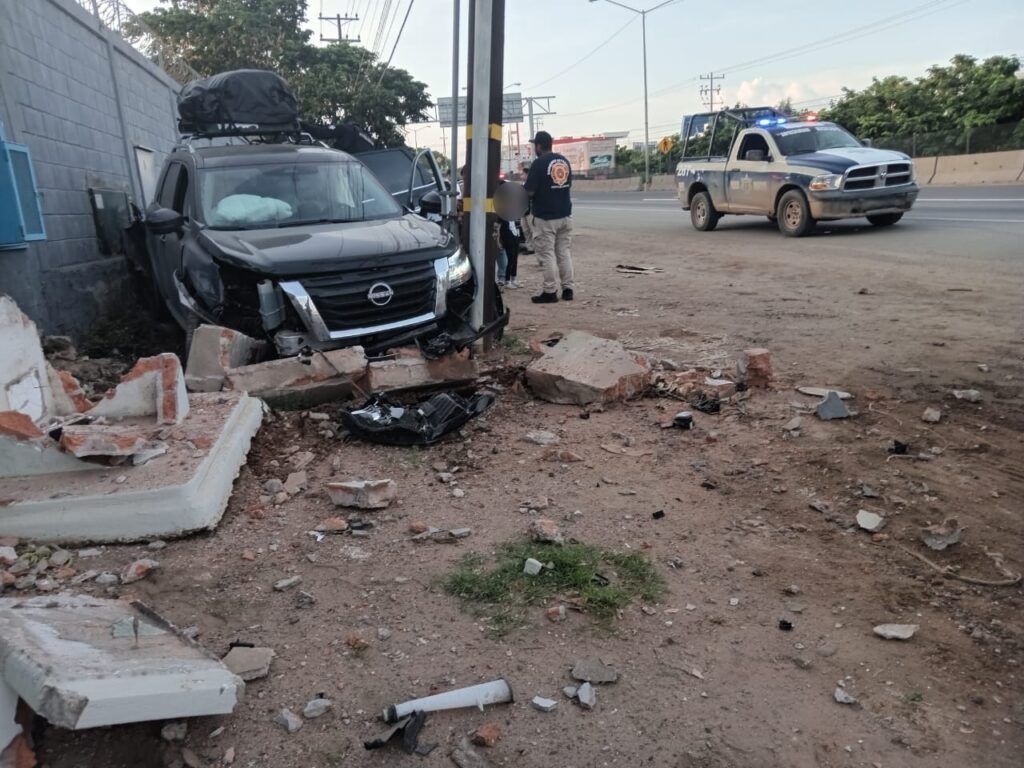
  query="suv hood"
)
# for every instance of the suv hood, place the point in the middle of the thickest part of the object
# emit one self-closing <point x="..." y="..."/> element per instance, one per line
<point x="838" y="160"/>
<point x="319" y="248"/>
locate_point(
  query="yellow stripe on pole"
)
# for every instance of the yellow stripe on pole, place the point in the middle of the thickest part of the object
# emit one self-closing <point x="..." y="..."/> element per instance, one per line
<point x="496" y="131"/>
<point x="467" y="205"/>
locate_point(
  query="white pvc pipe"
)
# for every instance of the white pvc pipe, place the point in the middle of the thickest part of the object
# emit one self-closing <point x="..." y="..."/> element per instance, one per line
<point x="478" y="153"/>
<point x="494" y="692"/>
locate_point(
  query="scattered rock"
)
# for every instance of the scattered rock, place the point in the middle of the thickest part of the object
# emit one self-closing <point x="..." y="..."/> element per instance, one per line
<point x="383" y="633"/>
<point x="460" y="533"/>
<point x="316" y="708"/>
<point x="418" y="526"/>
<point x="570" y="691"/>
<point x="458" y="493"/>
<point x="555" y="613"/>
<point x="983" y="367"/>
<point x="821" y="506"/>
<point x="273" y="485"/>
<point x="58" y="558"/>
<point x="793" y="425"/>
<point x="586" y="696"/>
<point x="174" y="731"/>
<point x="544" y="705"/>
<point x="823" y="392"/>
<point x="896" y="631"/>
<point x="8" y="556"/>
<point x="592" y="670"/>
<point x="85" y="576"/>
<point x="191" y="759"/>
<point x="545" y="531"/>
<point x="288" y="720"/>
<point x="106" y="579"/>
<point x="540" y="437"/>
<point x="283" y="584"/>
<point x="229" y="756"/>
<point x="562" y="455"/>
<point x="25" y="582"/>
<point x="938" y="537"/>
<point x="756" y="366"/>
<point x="295" y="482"/>
<point x="832" y="407"/>
<point x="532" y="567"/>
<point x="249" y="663"/>
<point x="333" y="525"/>
<point x="931" y="415"/>
<point x="138" y="570"/>
<point x="969" y="395"/>
<point x="464" y="756"/>
<point x="363" y="494"/>
<point x="301" y="460"/>
<point x="487" y="735"/>
<point x="155" y="545"/>
<point x="792" y="589"/>
<point x="843" y="697"/>
<point x="870" y="521"/>
<point x="803" y="662"/>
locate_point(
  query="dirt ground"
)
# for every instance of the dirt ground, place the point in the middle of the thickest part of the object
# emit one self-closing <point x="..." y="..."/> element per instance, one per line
<point x="707" y="679"/>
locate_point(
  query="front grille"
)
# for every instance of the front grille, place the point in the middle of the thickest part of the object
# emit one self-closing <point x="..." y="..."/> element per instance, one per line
<point x="343" y="302"/>
<point x="871" y="176"/>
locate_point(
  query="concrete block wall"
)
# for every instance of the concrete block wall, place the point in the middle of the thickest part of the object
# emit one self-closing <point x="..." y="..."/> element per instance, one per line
<point x="81" y="99"/>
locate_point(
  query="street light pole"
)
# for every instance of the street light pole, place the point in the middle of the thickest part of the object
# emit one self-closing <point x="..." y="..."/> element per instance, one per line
<point x="647" y="131"/>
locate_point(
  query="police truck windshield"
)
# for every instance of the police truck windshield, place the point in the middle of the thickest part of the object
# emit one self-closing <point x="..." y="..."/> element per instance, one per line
<point x="800" y="141"/>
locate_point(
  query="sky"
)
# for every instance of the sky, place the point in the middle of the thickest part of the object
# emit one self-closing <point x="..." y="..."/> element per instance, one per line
<point x="807" y="50"/>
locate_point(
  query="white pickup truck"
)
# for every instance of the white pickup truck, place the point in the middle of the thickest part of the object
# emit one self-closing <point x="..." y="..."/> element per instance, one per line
<point x="756" y="161"/>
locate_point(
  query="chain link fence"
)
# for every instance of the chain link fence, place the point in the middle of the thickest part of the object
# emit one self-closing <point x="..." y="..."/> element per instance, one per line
<point x="989" y="138"/>
<point x="119" y="18"/>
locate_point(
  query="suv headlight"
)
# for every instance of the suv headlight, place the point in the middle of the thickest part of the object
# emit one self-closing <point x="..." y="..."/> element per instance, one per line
<point x="826" y="182"/>
<point x="460" y="270"/>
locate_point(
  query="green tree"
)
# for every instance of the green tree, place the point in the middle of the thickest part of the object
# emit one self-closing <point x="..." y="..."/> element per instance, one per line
<point x="332" y="83"/>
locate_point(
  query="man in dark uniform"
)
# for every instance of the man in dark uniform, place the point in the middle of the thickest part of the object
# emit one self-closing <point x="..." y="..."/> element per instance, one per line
<point x="548" y="184"/>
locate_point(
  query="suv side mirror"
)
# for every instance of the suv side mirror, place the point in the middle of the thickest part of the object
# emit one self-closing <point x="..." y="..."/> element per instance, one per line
<point x="755" y="155"/>
<point x="164" y="221"/>
<point x="867" y="142"/>
<point x="430" y="203"/>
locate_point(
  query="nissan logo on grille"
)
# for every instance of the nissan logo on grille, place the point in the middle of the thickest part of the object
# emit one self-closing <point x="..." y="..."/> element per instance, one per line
<point x="381" y="294"/>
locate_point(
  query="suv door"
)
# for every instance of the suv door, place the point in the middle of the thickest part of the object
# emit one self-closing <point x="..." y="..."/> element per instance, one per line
<point x="165" y="250"/>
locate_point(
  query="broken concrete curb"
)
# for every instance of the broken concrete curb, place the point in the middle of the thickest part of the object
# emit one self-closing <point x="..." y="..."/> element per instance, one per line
<point x="583" y="369"/>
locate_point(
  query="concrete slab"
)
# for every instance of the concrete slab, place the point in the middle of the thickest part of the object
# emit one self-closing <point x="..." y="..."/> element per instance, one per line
<point x="584" y="369"/>
<point x="413" y="371"/>
<point x="184" y="490"/>
<point x="64" y="659"/>
<point x="301" y="382"/>
<point x="215" y="350"/>
<point x="24" y="381"/>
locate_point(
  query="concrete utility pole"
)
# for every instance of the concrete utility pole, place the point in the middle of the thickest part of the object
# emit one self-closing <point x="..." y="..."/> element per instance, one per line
<point x="455" y="101"/>
<point x="647" y="131"/>
<point x="339" y="21"/>
<point x="709" y="91"/>
<point x="484" y="133"/>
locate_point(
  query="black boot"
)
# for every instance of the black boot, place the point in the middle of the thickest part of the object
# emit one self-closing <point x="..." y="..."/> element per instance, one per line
<point x="567" y="294"/>
<point x="544" y="298"/>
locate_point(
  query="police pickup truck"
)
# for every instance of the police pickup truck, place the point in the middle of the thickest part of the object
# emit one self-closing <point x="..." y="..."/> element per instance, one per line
<point x="759" y="161"/>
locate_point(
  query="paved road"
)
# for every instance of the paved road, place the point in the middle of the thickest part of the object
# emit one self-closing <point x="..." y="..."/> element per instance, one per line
<point x="985" y="222"/>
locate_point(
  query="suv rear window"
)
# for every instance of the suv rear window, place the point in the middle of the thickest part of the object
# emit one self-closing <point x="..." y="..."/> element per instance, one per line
<point x="291" y="194"/>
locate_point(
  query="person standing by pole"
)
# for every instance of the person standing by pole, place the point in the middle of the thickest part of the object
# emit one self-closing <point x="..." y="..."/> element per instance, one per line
<point x="549" y="185"/>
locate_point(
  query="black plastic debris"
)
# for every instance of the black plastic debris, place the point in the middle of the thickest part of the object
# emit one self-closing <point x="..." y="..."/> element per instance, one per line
<point x="382" y="420"/>
<point x="408" y="727"/>
<point x="785" y="625"/>
<point x="897" y="448"/>
<point x="707" y="403"/>
<point x="683" y="420"/>
<point x="658" y="515"/>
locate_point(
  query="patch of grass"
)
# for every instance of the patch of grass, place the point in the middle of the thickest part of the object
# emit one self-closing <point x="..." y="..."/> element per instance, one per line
<point x="514" y="345"/>
<point x="602" y="582"/>
<point x="915" y="697"/>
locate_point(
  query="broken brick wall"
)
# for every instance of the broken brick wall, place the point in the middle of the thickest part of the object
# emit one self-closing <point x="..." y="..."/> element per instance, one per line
<point x="94" y="114"/>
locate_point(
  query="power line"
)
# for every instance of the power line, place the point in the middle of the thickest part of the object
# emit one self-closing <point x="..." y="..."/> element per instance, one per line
<point x="395" y="46"/>
<point x="912" y="14"/>
<point x="584" y="58"/>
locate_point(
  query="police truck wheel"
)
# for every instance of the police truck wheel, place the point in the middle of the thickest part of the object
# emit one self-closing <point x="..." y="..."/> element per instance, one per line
<point x="794" y="214"/>
<point x="885" y="219"/>
<point x="702" y="212"/>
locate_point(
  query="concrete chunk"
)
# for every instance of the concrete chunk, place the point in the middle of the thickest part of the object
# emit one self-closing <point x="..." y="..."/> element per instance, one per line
<point x="301" y="382"/>
<point x="410" y="370"/>
<point x="362" y="494"/>
<point x="870" y="521"/>
<point x="155" y="386"/>
<point x="214" y="351"/>
<point x="592" y="670"/>
<point x="896" y="631"/>
<point x="24" y="382"/>
<point x="102" y="440"/>
<point x="757" y="367"/>
<point x="249" y="663"/>
<point x="583" y="369"/>
<point x="832" y="407"/>
<point x="60" y="655"/>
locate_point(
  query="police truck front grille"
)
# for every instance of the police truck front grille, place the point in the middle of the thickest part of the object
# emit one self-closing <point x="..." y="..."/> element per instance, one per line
<point x="343" y="299"/>
<point x="871" y="176"/>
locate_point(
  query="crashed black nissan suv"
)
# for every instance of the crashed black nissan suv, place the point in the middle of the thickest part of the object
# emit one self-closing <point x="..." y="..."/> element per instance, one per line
<point x="303" y="246"/>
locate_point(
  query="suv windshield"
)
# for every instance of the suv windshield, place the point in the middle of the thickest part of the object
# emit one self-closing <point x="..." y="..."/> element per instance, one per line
<point x="799" y="141"/>
<point x="291" y="194"/>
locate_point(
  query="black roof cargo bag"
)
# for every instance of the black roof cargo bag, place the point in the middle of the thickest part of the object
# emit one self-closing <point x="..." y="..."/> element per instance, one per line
<point x="236" y="102"/>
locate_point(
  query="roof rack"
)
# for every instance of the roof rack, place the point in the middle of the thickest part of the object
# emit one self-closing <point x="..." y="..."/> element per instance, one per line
<point x="703" y="127"/>
<point x="289" y="133"/>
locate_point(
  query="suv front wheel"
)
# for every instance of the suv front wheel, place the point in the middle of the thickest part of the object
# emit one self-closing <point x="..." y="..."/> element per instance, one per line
<point x="794" y="214"/>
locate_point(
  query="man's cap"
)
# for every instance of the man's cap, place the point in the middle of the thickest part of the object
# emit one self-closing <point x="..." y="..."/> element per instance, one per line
<point x="542" y="137"/>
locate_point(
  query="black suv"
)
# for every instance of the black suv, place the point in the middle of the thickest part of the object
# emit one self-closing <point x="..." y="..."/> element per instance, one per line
<point x="303" y="246"/>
